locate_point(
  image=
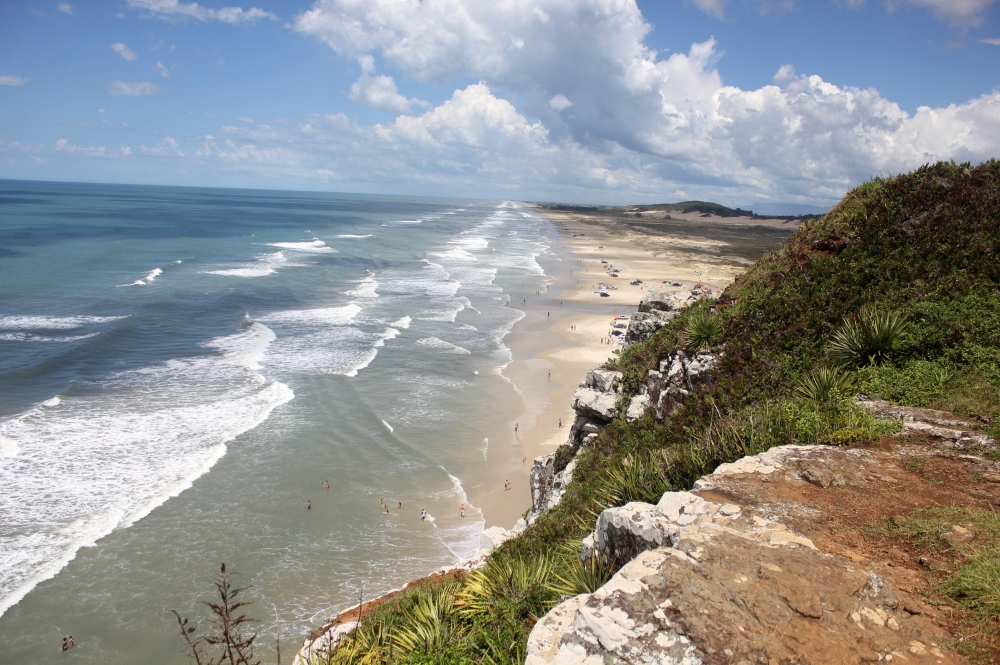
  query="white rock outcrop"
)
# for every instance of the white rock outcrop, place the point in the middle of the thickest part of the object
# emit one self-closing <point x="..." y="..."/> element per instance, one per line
<point x="722" y="575"/>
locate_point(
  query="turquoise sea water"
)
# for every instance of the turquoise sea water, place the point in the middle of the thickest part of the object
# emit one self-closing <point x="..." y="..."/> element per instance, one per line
<point x="181" y="368"/>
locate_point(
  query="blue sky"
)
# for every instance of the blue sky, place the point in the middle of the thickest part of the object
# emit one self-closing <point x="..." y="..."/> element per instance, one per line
<point x="737" y="101"/>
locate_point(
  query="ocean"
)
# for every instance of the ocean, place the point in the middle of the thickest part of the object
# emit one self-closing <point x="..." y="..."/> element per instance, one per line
<point x="181" y="369"/>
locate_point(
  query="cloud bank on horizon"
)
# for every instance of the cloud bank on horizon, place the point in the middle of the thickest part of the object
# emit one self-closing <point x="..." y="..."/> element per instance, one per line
<point x="564" y="98"/>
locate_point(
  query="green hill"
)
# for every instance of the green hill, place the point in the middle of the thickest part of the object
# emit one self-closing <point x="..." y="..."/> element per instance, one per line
<point x="703" y="207"/>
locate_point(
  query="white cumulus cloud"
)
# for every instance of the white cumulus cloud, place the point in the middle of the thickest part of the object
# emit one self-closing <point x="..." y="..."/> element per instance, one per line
<point x="13" y="80"/>
<point x="174" y="9"/>
<point x="142" y="89"/>
<point x="378" y="91"/>
<point x="124" y="51"/>
<point x="640" y="121"/>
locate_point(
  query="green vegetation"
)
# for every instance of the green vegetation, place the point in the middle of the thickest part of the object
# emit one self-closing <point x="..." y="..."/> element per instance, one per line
<point x="871" y="337"/>
<point x="700" y="333"/>
<point x="703" y="207"/>
<point x="894" y="293"/>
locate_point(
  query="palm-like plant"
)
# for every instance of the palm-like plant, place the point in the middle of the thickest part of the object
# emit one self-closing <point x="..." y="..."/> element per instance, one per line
<point x="510" y="578"/>
<point x="870" y="338"/>
<point x="638" y="478"/>
<point x="701" y="332"/>
<point x="824" y="385"/>
<point x="429" y="624"/>
<point x="584" y="576"/>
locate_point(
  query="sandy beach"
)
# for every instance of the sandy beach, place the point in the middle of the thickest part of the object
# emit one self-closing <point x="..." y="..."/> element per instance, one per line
<point x="561" y="336"/>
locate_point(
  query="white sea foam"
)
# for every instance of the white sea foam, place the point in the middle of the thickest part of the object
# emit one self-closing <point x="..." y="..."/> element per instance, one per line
<point x="441" y="345"/>
<point x="32" y="337"/>
<point x="464" y="536"/>
<point x="388" y="426"/>
<point x="411" y="221"/>
<point x="455" y="255"/>
<point x="314" y="245"/>
<point x="55" y="401"/>
<point x="403" y="323"/>
<point x="322" y="341"/>
<point x="390" y="333"/>
<point x="245" y="350"/>
<point x="8" y="448"/>
<point x="329" y="316"/>
<point x="351" y="235"/>
<point x="148" y="279"/>
<point x="365" y="288"/>
<point x="52" y="322"/>
<point x="266" y="264"/>
<point x="84" y="466"/>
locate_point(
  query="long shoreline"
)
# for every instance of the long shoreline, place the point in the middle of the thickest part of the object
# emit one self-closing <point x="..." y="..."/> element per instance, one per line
<point x="563" y="333"/>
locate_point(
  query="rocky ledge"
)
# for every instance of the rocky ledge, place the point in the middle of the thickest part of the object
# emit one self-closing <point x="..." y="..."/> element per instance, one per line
<point x="655" y="310"/>
<point x="766" y="561"/>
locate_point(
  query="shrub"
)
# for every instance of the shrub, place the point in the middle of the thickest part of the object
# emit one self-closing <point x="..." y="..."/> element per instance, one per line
<point x="638" y="478"/>
<point x="583" y="576"/>
<point x="848" y="436"/>
<point x="429" y="624"/>
<point x="701" y="332"/>
<point x="869" y="338"/>
<point x="824" y="385"/>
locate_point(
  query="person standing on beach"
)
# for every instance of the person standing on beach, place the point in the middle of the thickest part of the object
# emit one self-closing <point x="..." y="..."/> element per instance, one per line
<point x="309" y="505"/>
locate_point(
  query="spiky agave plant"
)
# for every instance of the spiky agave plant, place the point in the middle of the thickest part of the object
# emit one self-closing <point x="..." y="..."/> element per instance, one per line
<point x="583" y="575"/>
<point x="869" y="338"/>
<point x="636" y="478"/>
<point x="701" y="332"/>
<point x="429" y="624"/>
<point x="824" y="385"/>
<point x="506" y="579"/>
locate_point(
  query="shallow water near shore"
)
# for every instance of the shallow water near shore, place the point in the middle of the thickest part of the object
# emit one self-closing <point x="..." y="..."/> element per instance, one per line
<point x="182" y="368"/>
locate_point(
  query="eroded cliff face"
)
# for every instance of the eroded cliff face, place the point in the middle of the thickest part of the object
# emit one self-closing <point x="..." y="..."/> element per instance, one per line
<point x="767" y="560"/>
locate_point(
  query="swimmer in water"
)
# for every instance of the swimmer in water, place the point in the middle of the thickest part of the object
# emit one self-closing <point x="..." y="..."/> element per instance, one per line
<point x="309" y="505"/>
<point x="462" y="510"/>
<point x="423" y="513"/>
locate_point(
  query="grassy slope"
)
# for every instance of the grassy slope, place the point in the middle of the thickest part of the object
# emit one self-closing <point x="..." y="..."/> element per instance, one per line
<point x="923" y="245"/>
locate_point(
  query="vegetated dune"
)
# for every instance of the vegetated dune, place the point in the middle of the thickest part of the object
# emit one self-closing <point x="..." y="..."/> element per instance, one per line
<point x="893" y="298"/>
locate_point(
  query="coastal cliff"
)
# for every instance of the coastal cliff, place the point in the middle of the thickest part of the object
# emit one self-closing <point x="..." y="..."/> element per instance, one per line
<point x="801" y="471"/>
